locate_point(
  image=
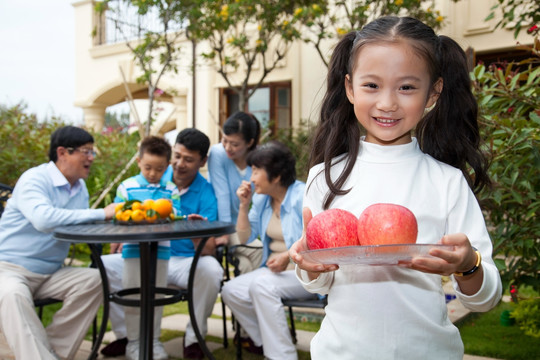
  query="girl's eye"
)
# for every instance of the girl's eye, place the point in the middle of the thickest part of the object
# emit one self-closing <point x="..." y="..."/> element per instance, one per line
<point x="371" y="85"/>
<point x="407" y="87"/>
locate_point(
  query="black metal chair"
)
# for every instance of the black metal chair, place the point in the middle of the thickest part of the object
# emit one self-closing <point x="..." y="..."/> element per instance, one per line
<point x="5" y="194"/>
<point x="313" y="303"/>
<point x="316" y="302"/>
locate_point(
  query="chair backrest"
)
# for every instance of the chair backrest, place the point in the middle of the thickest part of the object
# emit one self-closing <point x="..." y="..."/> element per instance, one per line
<point x="5" y="194"/>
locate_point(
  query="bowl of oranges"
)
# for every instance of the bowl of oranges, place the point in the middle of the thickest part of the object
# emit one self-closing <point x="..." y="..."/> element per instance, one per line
<point x="135" y="212"/>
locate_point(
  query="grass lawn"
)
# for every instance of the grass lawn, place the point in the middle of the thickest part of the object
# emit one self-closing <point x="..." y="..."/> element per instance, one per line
<point x="483" y="335"/>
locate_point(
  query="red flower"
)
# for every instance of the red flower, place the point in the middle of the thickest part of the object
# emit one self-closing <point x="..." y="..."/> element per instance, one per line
<point x="532" y="29"/>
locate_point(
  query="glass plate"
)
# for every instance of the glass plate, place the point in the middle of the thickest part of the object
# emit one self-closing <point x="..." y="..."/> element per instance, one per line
<point x="371" y="255"/>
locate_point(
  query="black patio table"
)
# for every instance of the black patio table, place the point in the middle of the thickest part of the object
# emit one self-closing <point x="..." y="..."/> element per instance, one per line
<point x="147" y="236"/>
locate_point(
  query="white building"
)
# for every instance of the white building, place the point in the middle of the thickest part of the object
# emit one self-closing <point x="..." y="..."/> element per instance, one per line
<point x="291" y="93"/>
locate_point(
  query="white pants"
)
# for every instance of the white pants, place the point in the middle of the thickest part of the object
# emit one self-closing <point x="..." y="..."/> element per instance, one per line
<point x="255" y="300"/>
<point x="206" y="287"/>
<point x="80" y="290"/>
<point x="132" y="279"/>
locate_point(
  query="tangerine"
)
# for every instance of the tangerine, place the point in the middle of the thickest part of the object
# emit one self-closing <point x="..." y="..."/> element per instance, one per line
<point x="150" y="215"/>
<point x="118" y="207"/>
<point x="137" y="205"/>
<point x="126" y="215"/>
<point x="118" y="215"/>
<point x="137" y="215"/>
<point x="147" y="204"/>
<point x="163" y="207"/>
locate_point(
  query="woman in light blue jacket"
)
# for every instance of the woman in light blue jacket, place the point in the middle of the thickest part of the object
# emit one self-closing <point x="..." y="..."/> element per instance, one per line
<point x="227" y="168"/>
<point x="276" y="217"/>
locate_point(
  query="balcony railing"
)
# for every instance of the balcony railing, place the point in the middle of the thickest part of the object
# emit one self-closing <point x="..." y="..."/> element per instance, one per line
<point x="123" y="23"/>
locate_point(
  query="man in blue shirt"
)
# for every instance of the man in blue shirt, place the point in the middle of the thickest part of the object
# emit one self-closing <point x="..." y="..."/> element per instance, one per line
<point x="47" y="196"/>
<point x="196" y="197"/>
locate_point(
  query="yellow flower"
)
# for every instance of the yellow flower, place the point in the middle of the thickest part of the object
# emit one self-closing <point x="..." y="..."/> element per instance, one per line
<point x="285" y="23"/>
<point x="316" y="7"/>
<point x="259" y="42"/>
<point x="298" y="11"/>
<point x="230" y="40"/>
<point x="398" y="2"/>
<point x="259" y="27"/>
<point x="341" y="31"/>
<point x="224" y="13"/>
<point x="439" y="19"/>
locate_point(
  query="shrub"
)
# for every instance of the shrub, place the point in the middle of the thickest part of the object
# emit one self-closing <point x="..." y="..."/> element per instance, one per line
<point x="510" y="117"/>
<point x="527" y="315"/>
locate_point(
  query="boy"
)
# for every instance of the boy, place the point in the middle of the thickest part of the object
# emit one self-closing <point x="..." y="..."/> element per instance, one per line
<point x="153" y="160"/>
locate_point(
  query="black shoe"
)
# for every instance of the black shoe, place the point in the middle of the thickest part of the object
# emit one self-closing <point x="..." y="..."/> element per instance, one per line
<point x="116" y="348"/>
<point x="248" y="345"/>
<point x="192" y="351"/>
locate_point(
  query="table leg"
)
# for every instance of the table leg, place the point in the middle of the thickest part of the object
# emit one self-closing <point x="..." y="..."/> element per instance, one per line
<point x="96" y="258"/>
<point x="148" y="253"/>
<point x="200" y="339"/>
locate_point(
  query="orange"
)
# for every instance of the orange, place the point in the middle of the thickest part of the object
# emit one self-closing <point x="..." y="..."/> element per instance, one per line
<point x="163" y="207"/>
<point x="137" y="215"/>
<point x="137" y="206"/>
<point x="126" y="215"/>
<point x="118" y="215"/>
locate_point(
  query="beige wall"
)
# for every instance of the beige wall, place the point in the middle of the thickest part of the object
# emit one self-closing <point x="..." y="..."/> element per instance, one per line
<point x="99" y="81"/>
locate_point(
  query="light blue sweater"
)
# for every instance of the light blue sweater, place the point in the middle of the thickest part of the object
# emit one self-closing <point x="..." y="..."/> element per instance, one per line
<point x="290" y="215"/>
<point x="225" y="179"/>
<point x="42" y="200"/>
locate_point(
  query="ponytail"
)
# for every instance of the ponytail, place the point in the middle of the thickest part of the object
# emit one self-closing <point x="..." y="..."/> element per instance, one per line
<point x="449" y="132"/>
<point x="338" y="131"/>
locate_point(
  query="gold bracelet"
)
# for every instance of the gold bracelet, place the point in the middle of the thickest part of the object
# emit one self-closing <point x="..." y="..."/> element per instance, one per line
<point x="475" y="267"/>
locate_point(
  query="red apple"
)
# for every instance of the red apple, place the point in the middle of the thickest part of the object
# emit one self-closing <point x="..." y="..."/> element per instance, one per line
<point x="381" y="224"/>
<point x="332" y="228"/>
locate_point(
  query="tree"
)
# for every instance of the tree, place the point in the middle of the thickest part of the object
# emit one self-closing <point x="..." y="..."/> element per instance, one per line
<point x="241" y="32"/>
<point x="328" y="20"/>
<point x="153" y="44"/>
<point x="519" y="14"/>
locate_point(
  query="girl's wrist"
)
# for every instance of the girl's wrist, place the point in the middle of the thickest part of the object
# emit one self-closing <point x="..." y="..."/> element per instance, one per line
<point x="471" y="270"/>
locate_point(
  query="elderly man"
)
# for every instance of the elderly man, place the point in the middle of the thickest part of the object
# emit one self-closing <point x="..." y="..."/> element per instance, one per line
<point x="47" y="196"/>
<point x="196" y="197"/>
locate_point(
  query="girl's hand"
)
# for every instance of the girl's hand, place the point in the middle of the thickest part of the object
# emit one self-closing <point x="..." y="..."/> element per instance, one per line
<point x="278" y="262"/>
<point x="313" y="269"/>
<point x="244" y="193"/>
<point x="446" y="262"/>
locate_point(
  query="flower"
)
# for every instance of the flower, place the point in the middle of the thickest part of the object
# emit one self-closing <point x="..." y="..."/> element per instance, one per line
<point x="341" y="31"/>
<point x="532" y="29"/>
<point x="439" y="19"/>
<point x="398" y="2"/>
<point x="298" y="11"/>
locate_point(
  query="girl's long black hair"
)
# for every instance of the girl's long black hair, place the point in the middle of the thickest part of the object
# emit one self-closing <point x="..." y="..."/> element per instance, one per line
<point x="448" y="132"/>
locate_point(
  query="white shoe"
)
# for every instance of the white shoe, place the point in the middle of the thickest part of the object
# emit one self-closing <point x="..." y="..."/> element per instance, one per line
<point x="158" y="351"/>
<point x="132" y="350"/>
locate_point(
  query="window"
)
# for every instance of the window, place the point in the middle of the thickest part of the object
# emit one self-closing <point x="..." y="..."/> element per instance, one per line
<point x="271" y="104"/>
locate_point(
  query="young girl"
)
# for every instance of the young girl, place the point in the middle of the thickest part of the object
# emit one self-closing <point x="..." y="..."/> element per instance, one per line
<point x="396" y="77"/>
<point x="227" y="168"/>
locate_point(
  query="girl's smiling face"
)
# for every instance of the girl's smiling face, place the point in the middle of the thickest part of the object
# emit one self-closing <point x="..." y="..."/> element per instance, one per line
<point x="390" y="88"/>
